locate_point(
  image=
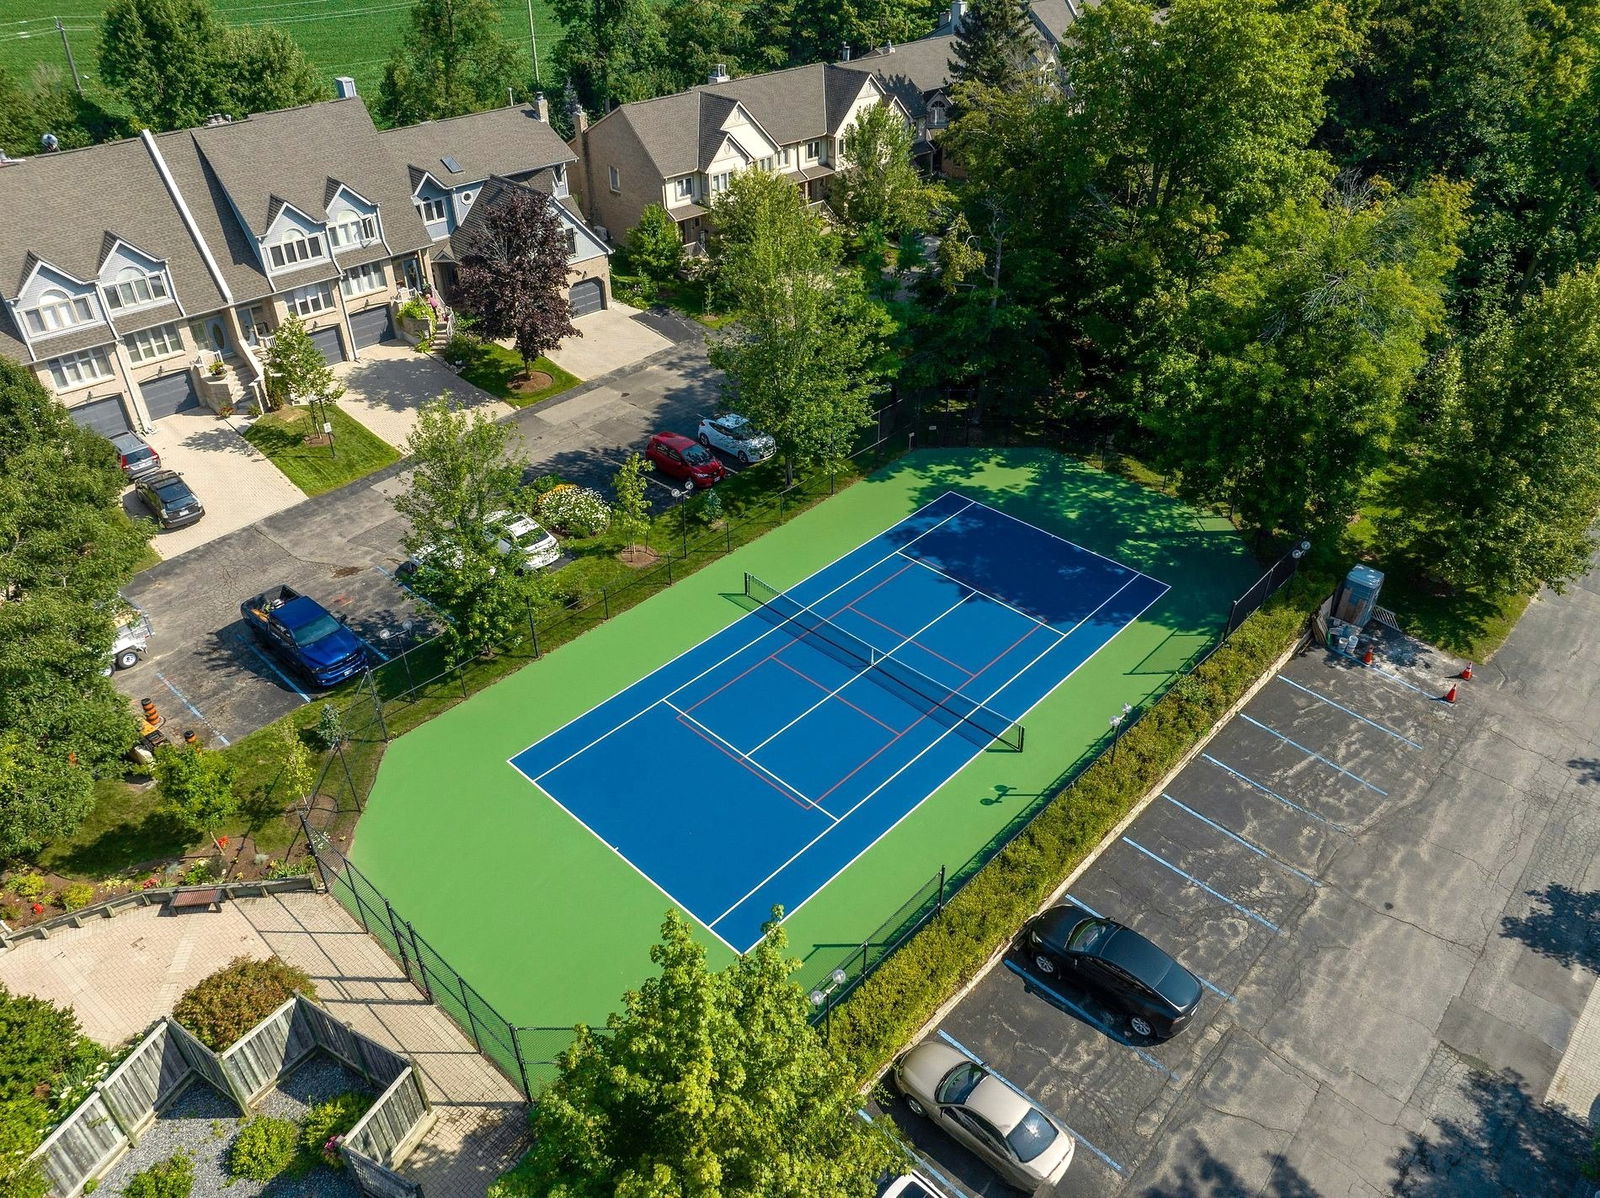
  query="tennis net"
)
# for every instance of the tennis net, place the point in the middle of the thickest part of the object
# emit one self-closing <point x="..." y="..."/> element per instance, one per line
<point x="886" y="670"/>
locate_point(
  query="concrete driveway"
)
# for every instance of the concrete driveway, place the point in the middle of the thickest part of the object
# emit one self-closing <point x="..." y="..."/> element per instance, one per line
<point x="612" y="338"/>
<point x="237" y="485"/>
<point x="386" y="388"/>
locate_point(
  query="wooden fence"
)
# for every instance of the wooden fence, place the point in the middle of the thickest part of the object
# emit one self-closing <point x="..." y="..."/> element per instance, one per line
<point x="169" y="1059"/>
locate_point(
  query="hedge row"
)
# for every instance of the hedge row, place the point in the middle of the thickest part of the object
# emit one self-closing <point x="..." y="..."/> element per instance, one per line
<point x="889" y="1008"/>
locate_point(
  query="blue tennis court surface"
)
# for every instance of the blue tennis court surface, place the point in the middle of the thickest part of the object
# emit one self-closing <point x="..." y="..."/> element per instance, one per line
<point x="754" y="767"/>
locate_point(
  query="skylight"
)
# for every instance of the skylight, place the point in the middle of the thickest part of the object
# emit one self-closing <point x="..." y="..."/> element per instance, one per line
<point x="451" y="165"/>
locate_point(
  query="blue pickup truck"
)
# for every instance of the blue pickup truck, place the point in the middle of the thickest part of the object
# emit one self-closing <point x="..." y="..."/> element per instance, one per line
<point x="305" y="636"/>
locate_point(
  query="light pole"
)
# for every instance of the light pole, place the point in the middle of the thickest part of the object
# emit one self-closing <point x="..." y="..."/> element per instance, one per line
<point x="821" y="995"/>
<point x="1116" y="727"/>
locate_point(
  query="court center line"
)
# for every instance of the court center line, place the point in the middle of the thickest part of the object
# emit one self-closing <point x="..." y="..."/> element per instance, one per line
<point x="968" y="1053"/>
<point x="1211" y="986"/>
<point x="1254" y="848"/>
<point x="1312" y="753"/>
<point x="1083" y="1012"/>
<point x="743" y="756"/>
<point x="798" y="673"/>
<point x="1353" y="714"/>
<point x="1194" y="881"/>
<point x="862" y="674"/>
<point x="1064" y="541"/>
<point x="1026" y="615"/>
<point x="893" y="631"/>
<point x="1267" y="790"/>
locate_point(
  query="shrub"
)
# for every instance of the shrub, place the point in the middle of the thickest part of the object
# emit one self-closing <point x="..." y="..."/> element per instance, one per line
<point x="329" y="1119"/>
<point x="329" y="732"/>
<point x="171" y="1178"/>
<point x="886" y="1010"/>
<point x="264" y="1148"/>
<point x="575" y="510"/>
<point x="292" y="869"/>
<point x="710" y="507"/>
<point x="198" y="872"/>
<point x="637" y="291"/>
<point x="545" y="483"/>
<point x="77" y="896"/>
<point x="221" y="1008"/>
<point x="40" y="1045"/>
<point x="28" y="886"/>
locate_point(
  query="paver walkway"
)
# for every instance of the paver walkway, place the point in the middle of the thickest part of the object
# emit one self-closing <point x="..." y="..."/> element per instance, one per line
<point x="121" y="974"/>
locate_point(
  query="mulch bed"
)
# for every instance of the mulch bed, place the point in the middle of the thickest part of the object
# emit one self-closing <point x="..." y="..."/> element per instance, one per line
<point x="638" y="556"/>
<point x="528" y="384"/>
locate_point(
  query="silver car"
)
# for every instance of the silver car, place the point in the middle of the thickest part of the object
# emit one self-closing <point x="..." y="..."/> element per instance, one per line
<point x="735" y="435"/>
<point x="985" y="1114"/>
<point x="525" y="538"/>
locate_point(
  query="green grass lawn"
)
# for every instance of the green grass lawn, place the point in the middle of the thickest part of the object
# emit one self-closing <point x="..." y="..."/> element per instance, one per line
<point x="316" y="469"/>
<point x="689" y="297"/>
<point x="493" y="368"/>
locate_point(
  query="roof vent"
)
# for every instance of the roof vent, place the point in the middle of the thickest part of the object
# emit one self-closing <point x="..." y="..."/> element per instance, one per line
<point x="888" y="48"/>
<point x="451" y="165"/>
<point x="844" y="52"/>
<point x="344" y="87"/>
<point x="218" y="118"/>
<point x="719" y="73"/>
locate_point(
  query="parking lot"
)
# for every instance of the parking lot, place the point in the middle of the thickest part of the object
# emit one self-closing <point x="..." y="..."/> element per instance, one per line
<point x="1327" y="867"/>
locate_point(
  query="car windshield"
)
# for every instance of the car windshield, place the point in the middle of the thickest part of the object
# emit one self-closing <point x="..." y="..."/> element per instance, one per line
<point x="309" y="634"/>
<point x="959" y="1082"/>
<point x="696" y="456"/>
<point x="1088" y="934"/>
<point x="173" y="492"/>
<point x="1032" y="1136"/>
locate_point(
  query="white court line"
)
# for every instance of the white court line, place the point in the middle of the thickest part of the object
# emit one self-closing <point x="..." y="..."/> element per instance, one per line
<point x="749" y="760"/>
<point x="963" y="765"/>
<point x="1064" y="541"/>
<point x="511" y="761"/>
<point x="980" y="591"/>
<point x="862" y="674"/>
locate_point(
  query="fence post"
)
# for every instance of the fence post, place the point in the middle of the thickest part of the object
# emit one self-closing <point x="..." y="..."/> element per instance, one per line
<point x="940" y="907"/>
<point x="522" y="1066"/>
<point x="669" y="569"/>
<point x="348" y="777"/>
<point x="605" y="601"/>
<point x="727" y="535"/>
<point x="377" y="705"/>
<point x="466" y="1005"/>
<point x="461" y="677"/>
<point x="411" y="681"/>
<point x="422" y="968"/>
<point x="399" y="941"/>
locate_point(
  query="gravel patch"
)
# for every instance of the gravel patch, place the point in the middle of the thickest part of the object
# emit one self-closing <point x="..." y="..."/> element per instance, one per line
<point x="202" y="1122"/>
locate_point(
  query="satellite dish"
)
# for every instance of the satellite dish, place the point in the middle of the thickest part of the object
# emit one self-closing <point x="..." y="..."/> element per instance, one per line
<point x="50" y="142"/>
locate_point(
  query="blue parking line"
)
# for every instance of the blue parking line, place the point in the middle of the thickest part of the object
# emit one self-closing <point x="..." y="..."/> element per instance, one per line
<point x="1254" y="848"/>
<point x="1379" y="670"/>
<point x="1248" y="781"/>
<point x="1217" y="990"/>
<point x="1333" y="765"/>
<point x="1354" y="714"/>
<point x="968" y="1053"/>
<point x="282" y="677"/>
<point x="1216" y="894"/>
<point x="1082" y="1011"/>
<point x="193" y="710"/>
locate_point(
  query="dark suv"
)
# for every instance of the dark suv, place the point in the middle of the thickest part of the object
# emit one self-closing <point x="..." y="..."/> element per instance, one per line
<point x="169" y="499"/>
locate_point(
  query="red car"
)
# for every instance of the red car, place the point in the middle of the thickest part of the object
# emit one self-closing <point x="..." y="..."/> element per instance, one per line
<point x="683" y="459"/>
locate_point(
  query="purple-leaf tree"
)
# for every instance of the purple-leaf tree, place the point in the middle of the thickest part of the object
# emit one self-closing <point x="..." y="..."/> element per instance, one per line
<point x="512" y="277"/>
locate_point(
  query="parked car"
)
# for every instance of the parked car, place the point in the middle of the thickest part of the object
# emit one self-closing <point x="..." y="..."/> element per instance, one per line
<point x="135" y="455"/>
<point x="985" y="1114"/>
<point x="909" y="1185"/>
<point x="169" y="498"/>
<point x="1133" y="977"/>
<point x="523" y="537"/>
<point x="304" y="635"/>
<point x="735" y="435"/>
<point x="678" y="457"/>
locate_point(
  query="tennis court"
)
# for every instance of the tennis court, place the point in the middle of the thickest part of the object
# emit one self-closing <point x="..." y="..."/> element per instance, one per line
<point x="754" y="767"/>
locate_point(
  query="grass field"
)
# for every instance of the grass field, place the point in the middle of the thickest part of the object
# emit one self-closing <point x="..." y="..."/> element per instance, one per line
<point x="551" y="926"/>
<point x="316" y="469"/>
<point x="342" y="37"/>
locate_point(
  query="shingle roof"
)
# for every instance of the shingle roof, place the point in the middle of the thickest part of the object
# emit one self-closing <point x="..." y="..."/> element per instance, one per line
<point x="69" y="207"/>
<point x="1053" y="17"/>
<point x="451" y="249"/>
<point x="912" y="71"/>
<point x="504" y="141"/>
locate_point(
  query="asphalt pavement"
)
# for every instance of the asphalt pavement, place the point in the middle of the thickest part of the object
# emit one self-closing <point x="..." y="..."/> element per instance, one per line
<point x="1377" y="889"/>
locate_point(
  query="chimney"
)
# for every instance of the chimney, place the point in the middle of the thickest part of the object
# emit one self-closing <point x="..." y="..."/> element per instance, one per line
<point x="541" y="107"/>
<point x="719" y="73"/>
<point x="580" y="121"/>
<point x="218" y="118"/>
<point x="958" y="15"/>
<point x="344" y="87"/>
<point x="844" y="52"/>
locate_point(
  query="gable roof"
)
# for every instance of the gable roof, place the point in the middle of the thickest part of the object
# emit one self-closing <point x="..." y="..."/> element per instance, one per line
<point x="504" y="141"/>
<point x="911" y="72"/>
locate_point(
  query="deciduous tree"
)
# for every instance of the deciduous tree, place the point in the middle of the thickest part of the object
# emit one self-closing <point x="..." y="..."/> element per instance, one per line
<point x="708" y="1083"/>
<point x="196" y="788"/>
<point x="296" y="370"/>
<point x="654" y="246"/>
<point x="512" y="277"/>
<point x="878" y="187"/>
<point x="451" y="61"/>
<point x="699" y="35"/>
<point x="613" y="52"/>
<point x="630" y="515"/>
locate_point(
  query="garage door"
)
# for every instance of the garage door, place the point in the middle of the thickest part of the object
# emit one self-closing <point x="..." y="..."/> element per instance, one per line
<point x="169" y="395"/>
<point x="103" y="416"/>
<point x="587" y="296"/>
<point x="371" y="326"/>
<point x="330" y="343"/>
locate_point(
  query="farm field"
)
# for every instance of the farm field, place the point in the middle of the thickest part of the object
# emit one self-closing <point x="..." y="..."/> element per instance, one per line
<point x="342" y="37"/>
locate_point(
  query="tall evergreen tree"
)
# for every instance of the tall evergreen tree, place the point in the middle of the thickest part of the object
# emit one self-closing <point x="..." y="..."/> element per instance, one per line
<point x="451" y="61"/>
<point x="993" y="44"/>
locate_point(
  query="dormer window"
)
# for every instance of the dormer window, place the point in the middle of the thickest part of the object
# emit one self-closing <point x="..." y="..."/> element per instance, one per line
<point x="433" y="210"/>
<point x="296" y="247"/>
<point x="352" y="229"/>
<point x="58" y="310"/>
<point x="936" y="114"/>
<point x="134" y="287"/>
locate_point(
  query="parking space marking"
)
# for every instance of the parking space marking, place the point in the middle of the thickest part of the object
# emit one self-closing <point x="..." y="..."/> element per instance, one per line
<point x="282" y="677"/>
<point x="1354" y="714"/>
<point x="1254" y="848"/>
<point x="1379" y="670"/>
<point x="1083" y="1012"/>
<point x="1312" y="753"/>
<point x="1248" y="781"/>
<point x="1217" y="990"/>
<point x="1216" y="894"/>
<point x="420" y="598"/>
<point x="967" y="1052"/>
<point x="193" y="710"/>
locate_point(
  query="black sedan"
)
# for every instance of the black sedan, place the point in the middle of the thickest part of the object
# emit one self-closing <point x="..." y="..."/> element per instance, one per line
<point x="169" y="498"/>
<point x="1118" y="966"/>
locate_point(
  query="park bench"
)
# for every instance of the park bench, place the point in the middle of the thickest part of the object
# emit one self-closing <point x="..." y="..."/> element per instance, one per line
<point x="209" y="900"/>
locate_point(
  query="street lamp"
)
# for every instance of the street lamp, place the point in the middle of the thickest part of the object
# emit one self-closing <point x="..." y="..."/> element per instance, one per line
<point x="1116" y="727"/>
<point x="821" y="995"/>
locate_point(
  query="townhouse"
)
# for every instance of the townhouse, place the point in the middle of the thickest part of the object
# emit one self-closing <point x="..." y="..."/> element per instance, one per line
<point x="142" y="278"/>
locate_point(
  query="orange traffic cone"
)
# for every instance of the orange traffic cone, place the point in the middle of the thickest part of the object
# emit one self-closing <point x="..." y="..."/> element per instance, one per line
<point x="1466" y="673"/>
<point x="1450" y="695"/>
<point x="189" y="738"/>
<point x="1366" y="657"/>
<point x="151" y="715"/>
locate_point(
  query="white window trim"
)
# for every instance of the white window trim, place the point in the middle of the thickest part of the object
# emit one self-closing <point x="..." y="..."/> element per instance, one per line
<point x="364" y="280"/>
<point x="683" y="188"/>
<point x="97" y="358"/>
<point x="171" y="341"/>
<point x="122" y="292"/>
<point x="299" y="299"/>
<point x="294" y="248"/>
<point x="362" y="230"/>
<point x="438" y="202"/>
<point x="52" y="315"/>
<point x="615" y="179"/>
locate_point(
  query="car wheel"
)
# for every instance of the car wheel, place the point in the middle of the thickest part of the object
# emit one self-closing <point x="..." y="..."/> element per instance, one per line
<point x="1140" y="1026"/>
<point x="705" y="440"/>
<point x="916" y="1108"/>
<point x="1044" y="964"/>
<point x="744" y="458"/>
<point x="127" y="659"/>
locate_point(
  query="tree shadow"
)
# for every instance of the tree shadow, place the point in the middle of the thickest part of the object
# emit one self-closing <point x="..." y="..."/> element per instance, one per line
<point x="1564" y="926"/>
<point x="1204" y="1176"/>
<point x="1506" y="1142"/>
<point x="1587" y="769"/>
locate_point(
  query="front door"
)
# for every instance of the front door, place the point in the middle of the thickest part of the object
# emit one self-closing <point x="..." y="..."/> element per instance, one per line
<point x="413" y="273"/>
<point x="212" y="334"/>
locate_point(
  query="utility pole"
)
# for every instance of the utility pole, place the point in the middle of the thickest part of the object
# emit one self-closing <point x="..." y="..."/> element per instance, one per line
<point x="71" y="64"/>
<point x="533" y="41"/>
